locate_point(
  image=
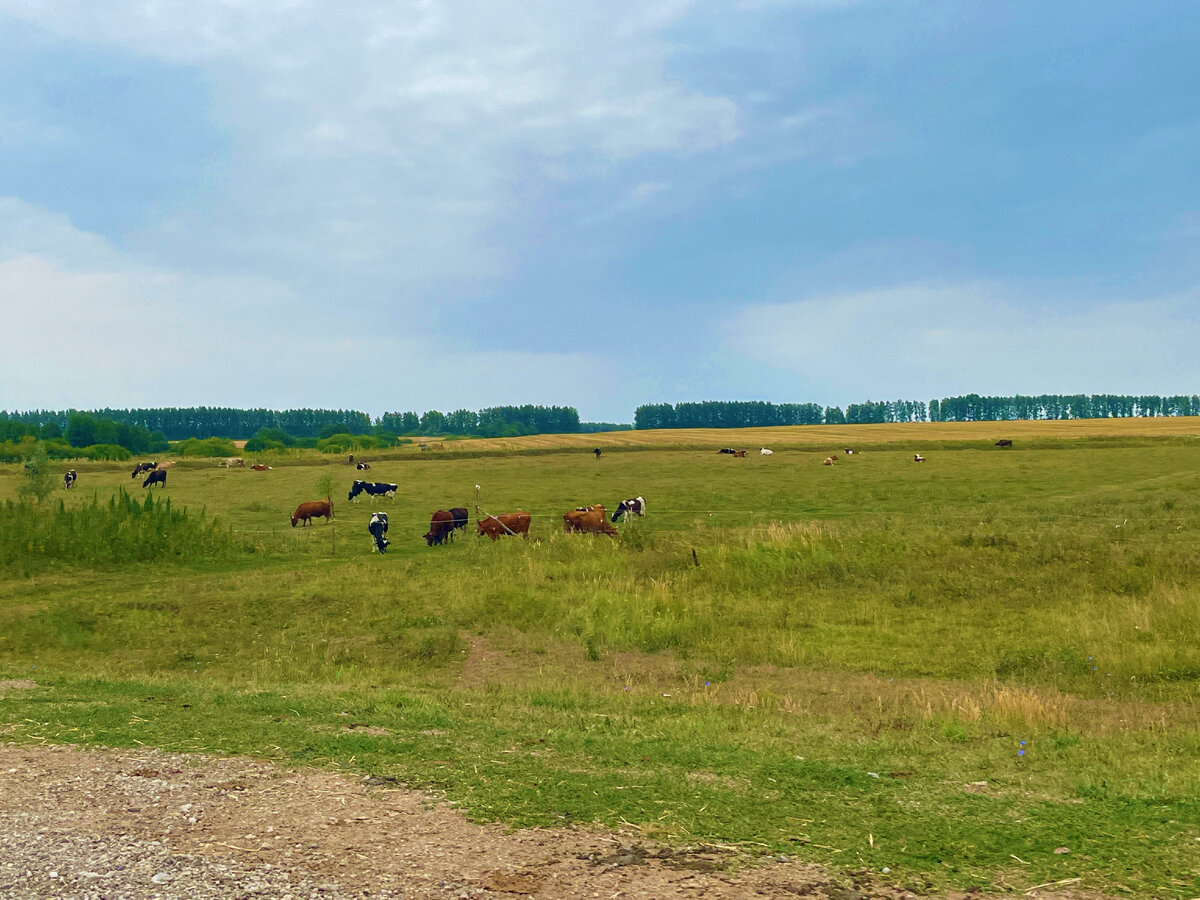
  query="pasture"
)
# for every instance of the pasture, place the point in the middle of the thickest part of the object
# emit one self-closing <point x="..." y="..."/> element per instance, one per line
<point x="953" y="670"/>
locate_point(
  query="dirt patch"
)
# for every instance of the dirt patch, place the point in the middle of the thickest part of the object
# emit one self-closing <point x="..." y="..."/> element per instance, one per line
<point x="17" y="684"/>
<point x="146" y="823"/>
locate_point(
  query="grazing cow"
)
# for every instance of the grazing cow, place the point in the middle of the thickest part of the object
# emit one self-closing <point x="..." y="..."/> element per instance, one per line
<point x="373" y="488"/>
<point x="69" y="480"/>
<point x="506" y="523"/>
<point x="306" y="512"/>
<point x="143" y="467"/>
<point x="829" y="461"/>
<point x="461" y="517"/>
<point x="378" y="528"/>
<point x="259" y="467"/>
<point x="592" y="520"/>
<point x="1004" y="442"/>
<point x="441" y="527"/>
<point x="763" y="451"/>
<point x="634" y="505"/>
<point x="169" y="464"/>
<point x="235" y="462"/>
<point x="158" y="476"/>
<point x="362" y="466"/>
<point x="917" y="457"/>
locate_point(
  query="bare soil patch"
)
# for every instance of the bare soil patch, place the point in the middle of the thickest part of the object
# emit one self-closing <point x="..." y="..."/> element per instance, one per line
<point x="117" y="823"/>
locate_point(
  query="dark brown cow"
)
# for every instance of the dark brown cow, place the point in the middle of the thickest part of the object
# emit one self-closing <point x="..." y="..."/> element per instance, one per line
<point x="158" y="476"/>
<point x="588" y="521"/>
<point x="506" y="523"/>
<point x="441" y="526"/>
<point x="739" y="454"/>
<point x="306" y="512"/>
<point x="461" y="517"/>
<point x="1004" y="442"/>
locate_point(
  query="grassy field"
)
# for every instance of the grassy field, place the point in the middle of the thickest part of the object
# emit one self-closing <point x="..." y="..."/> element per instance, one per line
<point x="951" y="669"/>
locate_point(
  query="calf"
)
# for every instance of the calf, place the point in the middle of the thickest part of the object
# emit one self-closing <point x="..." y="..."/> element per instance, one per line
<point x="69" y="480"/>
<point x="378" y="527"/>
<point x="158" y="476"/>
<point x="306" y="512"/>
<point x="373" y="489"/>
<point x="633" y="506"/>
<point x="506" y="523"/>
<point x="441" y="527"/>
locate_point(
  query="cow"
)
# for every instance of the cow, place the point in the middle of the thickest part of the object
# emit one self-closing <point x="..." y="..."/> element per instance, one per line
<point x="739" y="454"/>
<point x="362" y="466"/>
<point x="378" y="527"/>
<point x="306" y="512"/>
<point x="169" y="464"/>
<point x="235" y="462"/>
<point x="634" y="505"/>
<point x="259" y="467"/>
<point x="1004" y="442"/>
<point x="441" y="527"/>
<point x="597" y="452"/>
<point x="158" y="476"/>
<point x="829" y="461"/>
<point x="849" y="451"/>
<point x="728" y="450"/>
<point x="373" y="488"/>
<point x="763" y="451"/>
<point x="69" y="480"/>
<point x="143" y="467"/>
<point x="461" y="517"/>
<point x="506" y="523"/>
<point x="917" y="457"/>
<point x="591" y="520"/>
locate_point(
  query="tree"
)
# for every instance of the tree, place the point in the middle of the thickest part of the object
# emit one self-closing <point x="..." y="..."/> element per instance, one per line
<point x="39" y="480"/>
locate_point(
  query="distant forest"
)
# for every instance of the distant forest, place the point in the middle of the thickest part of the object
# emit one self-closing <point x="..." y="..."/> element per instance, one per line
<point x="181" y="423"/>
<point x="968" y="408"/>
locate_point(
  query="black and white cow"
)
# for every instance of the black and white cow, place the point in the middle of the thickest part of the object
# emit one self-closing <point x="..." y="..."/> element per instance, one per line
<point x="378" y="527"/>
<point x="373" y="488"/>
<point x="362" y="465"/>
<point x="143" y="467"/>
<point x="633" y="506"/>
<point x="69" y="480"/>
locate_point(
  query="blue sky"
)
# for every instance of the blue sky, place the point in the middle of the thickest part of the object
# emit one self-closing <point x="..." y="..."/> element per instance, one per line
<point x="424" y="205"/>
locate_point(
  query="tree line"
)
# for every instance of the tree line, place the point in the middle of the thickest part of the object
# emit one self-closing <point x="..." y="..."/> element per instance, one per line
<point x="967" y="408"/>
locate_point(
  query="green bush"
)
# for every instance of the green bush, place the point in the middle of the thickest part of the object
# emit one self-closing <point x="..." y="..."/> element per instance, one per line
<point x="206" y="447"/>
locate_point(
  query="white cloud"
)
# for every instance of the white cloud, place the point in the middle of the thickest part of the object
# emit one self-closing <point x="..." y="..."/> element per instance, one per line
<point x="87" y="326"/>
<point x="917" y="341"/>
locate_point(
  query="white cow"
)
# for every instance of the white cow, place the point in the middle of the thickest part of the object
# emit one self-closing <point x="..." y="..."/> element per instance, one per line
<point x="763" y="451"/>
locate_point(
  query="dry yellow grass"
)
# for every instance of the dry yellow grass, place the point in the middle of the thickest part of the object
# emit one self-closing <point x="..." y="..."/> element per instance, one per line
<point x="847" y="435"/>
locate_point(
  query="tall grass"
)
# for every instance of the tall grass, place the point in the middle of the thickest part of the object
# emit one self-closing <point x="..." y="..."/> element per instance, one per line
<point x="115" y="532"/>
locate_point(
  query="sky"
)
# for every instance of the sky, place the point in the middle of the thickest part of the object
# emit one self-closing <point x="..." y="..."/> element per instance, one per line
<point x="420" y="205"/>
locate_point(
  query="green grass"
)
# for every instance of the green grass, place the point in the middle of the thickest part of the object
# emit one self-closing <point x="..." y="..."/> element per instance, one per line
<point x="859" y="647"/>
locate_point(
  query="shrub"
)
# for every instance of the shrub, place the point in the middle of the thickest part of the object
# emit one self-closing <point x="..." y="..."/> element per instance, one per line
<point x="206" y="447"/>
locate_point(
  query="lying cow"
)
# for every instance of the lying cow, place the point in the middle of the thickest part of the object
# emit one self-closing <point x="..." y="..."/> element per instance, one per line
<point x="235" y="462"/>
<point x="634" y="506"/>
<point x="143" y="467"/>
<point x="829" y="461"/>
<point x="378" y="528"/>
<point x="158" y="476"/>
<point x="259" y="467"/>
<point x="1004" y="442"/>
<point x="169" y="464"/>
<point x="728" y="450"/>
<point x="362" y="466"/>
<point x="849" y="451"/>
<point x="306" y="512"/>
<point x="373" y="488"/>
<point x="917" y="457"/>
<point x="588" y="521"/>
<point x="739" y="454"/>
<point x="507" y="523"/>
<point x="763" y="451"/>
<point x="441" y="527"/>
<point x="69" y="480"/>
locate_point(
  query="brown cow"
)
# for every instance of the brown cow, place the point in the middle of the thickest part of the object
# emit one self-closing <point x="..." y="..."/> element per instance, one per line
<point x="739" y="454"/>
<point x="169" y="464"/>
<point x="306" y="512"/>
<point x="441" y="526"/>
<point x="591" y="520"/>
<point x="829" y="461"/>
<point x="506" y="523"/>
<point x="259" y="467"/>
